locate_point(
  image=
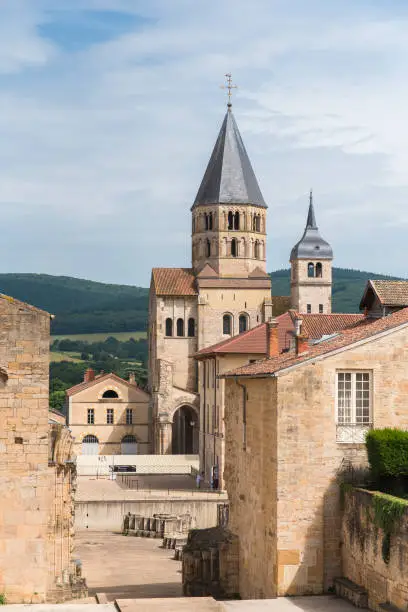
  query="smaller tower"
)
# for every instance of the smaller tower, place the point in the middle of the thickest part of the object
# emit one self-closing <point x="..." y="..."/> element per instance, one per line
<point x="311" y="270"/>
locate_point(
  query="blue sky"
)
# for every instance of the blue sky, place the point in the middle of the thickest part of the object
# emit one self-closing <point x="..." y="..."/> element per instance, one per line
<point x="109" y="110"/>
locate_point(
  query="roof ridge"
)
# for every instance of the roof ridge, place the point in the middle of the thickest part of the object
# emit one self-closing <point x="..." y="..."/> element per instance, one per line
<point x="343" y="339"/>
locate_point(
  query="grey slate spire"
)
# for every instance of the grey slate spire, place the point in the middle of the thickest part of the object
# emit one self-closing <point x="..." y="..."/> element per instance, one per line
<point x="229" y="177"/>
<point x="311" y="245"/>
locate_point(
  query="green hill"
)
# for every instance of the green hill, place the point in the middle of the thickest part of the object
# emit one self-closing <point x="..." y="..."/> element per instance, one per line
<point x="348" y="286"/>
<point x="83" y="306"/>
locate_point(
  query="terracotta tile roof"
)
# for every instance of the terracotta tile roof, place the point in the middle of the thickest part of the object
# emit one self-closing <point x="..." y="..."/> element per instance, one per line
<point x="343" y="339"/>
<point x="318" y="325"/>
<point x="391" y="293"/>
<point x="99" y="378"/>
<point x="173" y="281"/>
<point x="252" y="341"/>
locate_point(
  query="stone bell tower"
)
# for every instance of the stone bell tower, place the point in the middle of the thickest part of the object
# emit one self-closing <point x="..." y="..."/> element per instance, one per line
<point x="311" y="270"/>
<point x="229" y="212"/>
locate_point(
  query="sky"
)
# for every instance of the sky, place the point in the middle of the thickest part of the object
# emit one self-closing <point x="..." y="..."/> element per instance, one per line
<point x="109" y="110"/>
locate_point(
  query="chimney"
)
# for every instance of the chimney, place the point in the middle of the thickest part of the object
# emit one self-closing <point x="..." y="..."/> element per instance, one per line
<point x="298" y="326"/>
<point x="89" y="375"/>
<point x="302" y="344"/>
<point x="132" y="378"/>
<point x="272" y="338"/>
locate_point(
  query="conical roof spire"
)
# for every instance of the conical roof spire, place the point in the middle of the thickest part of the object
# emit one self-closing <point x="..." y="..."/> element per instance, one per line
<point x="311" y="245"/>
<point x="229" y="177"/>
<point x="311" y="219"/>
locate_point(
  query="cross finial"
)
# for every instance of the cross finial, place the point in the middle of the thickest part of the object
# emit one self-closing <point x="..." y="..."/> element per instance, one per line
<point x="311" y="196"/>
<point x="229" y="86"/>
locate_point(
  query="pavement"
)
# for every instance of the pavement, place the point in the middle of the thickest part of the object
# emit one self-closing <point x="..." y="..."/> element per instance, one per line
<point x="170" y="487"/>
<point x="316" y="603"/>
<point x="140" y="576"/>
<point x="198" y="604"/>
<point x="127" y="567"/>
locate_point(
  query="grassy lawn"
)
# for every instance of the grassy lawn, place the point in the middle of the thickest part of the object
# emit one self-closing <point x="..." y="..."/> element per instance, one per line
<point x="54" y="356"/>
<point x="100" y="337"/>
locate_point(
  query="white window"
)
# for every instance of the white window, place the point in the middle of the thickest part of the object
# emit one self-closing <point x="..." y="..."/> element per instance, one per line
<point x="129" y="416"/>
<point x="91" y="416"/>
<point x="354" y="414"/>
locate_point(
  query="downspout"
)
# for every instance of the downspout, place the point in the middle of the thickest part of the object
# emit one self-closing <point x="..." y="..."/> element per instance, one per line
<point x="244" y="411"/>
<point x="215" y="410"/>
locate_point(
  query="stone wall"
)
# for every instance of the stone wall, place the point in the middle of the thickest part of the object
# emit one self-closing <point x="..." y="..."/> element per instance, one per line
<point x="32" y="492"/>
<point x="108" y="515"/>
<point x="362" y="554"/>
<point x="284" y="451"/>
<point x="210" y="564"/>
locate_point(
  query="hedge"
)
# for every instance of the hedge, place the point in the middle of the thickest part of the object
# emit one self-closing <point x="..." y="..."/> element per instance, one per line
<point x="387" y="451"/>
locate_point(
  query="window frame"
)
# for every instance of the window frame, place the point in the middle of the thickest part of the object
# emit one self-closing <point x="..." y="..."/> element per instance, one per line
<point x="180" y="328"/>
<point x="321" y="309"/>
<point x="226" y="316"/>
<point x="191" y="327"/>
<point x="129" y="416"/>
<point x="353" y="407"/>
<point x="170" y="321"/>
<point x="109" y="416"/>
<point x="308" y="309"/>
<point x="245" y="318"/>
<point x="90" y="416"/>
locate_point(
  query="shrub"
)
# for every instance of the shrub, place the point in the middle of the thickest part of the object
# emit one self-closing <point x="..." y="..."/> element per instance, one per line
<point x="387" y="451"/>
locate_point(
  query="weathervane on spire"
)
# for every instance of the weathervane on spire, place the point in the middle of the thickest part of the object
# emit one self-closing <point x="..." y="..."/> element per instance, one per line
<point x="229" y="86"/>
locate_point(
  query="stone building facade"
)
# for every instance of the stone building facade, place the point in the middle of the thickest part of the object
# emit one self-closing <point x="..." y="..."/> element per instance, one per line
<point x="108" y="415"/>
<point x="292" y="424"/>
<point x="35" y="539"/>
<point x="225" y="292"/>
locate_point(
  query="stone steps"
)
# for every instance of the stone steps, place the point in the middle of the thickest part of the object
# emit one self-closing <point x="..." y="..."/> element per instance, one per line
<point x="351" y="591"/>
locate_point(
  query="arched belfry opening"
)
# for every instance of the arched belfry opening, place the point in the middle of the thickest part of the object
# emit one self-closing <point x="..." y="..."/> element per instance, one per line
<point x="185" y="431"/>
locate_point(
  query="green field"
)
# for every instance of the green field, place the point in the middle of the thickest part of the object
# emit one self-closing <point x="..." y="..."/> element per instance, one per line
<point x="100" y="337"/>
<point x="55" y="357"/>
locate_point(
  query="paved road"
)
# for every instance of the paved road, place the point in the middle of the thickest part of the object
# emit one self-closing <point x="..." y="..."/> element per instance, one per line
<point x="127" y="567"/>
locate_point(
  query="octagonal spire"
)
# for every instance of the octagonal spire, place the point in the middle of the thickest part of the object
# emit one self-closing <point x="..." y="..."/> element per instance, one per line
<point x="229" y="177"/>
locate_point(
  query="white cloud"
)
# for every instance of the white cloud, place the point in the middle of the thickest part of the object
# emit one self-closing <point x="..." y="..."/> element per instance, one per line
<point x="103" y="149"/>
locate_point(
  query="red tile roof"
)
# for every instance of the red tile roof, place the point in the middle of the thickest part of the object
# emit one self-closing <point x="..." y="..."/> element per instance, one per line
<point x="343" y="339"/>
<point x="99" y="378"/>
<point x="252" y="341"/>
<point x="318" y="325"/>
<point x="391" y="293"/>
<point x="173" y="281"/>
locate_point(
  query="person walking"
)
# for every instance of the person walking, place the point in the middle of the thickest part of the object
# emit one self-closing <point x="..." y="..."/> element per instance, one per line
<point x="198" y="480"/>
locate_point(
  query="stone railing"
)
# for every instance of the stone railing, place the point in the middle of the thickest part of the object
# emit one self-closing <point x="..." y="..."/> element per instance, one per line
<point x="156" y="526"/>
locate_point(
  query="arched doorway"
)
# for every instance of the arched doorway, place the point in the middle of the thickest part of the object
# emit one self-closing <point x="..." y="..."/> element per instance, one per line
<point x="90" y="445"/>
<point x="185" y="431"/>
<point x="129" y="445"/>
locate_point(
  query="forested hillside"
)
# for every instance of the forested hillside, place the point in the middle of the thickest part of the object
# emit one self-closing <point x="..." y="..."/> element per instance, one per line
<point x="83" y="306"/>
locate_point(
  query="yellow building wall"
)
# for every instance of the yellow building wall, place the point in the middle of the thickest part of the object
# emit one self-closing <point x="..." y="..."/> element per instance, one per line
<point x="110" y="436"/>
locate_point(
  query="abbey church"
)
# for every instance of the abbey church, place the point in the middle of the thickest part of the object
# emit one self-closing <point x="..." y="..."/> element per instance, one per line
<point x="225" y="293"/>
